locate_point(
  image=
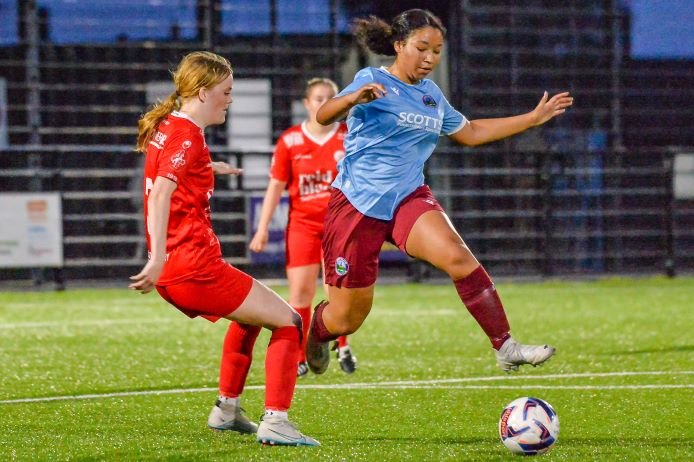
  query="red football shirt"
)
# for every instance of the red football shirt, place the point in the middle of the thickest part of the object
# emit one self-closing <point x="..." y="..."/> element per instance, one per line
<point x="308" y="165"/>
<point x="179" y="153"/>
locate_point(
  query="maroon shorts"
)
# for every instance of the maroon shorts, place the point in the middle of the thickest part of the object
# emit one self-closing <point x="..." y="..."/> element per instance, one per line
<point x="352" y="241"/>
<point x="303" y="246"/>
<point x="214" y="294"/>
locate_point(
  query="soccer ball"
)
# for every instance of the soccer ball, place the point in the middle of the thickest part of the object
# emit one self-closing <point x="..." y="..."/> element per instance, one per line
<point x="529" y="426"/>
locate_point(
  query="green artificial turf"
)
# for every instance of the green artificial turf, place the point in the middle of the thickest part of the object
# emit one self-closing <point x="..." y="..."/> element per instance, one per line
<point x="427" y="387"/>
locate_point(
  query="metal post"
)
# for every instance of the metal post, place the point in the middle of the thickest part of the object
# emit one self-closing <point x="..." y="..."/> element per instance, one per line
<point x="334" y="41"/>
<point x="668" y="174"/>
<point x="276" y="65"/>
<point x="33" y="42"/>
<point x="615" y="74"/>
<point x="545" y="176"/>
<point x="206" y="23"/>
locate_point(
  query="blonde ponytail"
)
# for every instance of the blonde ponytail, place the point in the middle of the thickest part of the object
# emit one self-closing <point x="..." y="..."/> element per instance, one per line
<point x="149" y="122"/>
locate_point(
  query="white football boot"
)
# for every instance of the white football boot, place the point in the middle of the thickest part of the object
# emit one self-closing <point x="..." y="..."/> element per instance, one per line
<point x="347" y="360"/>
<point x="513" y="354"/>
<point x="228" y="415"/>
<point x="279" y="431"/>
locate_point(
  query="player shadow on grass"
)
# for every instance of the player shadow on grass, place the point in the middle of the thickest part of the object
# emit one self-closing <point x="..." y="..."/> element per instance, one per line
<point x="453" y="440"/>
<point x="673" y="349"/>
<point x="616" y="445"/>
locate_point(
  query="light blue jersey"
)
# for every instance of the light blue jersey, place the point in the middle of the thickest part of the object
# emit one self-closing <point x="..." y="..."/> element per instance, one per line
<point x="389" y="139"/>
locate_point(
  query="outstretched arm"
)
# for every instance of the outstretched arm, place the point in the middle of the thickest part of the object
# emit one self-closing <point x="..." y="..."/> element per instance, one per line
<point x="223" y="168"/>
<point x="483" y="131"/>
<point x="337" y="108"/>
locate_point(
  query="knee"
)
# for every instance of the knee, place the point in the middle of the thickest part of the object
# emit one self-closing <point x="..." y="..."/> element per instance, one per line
<point x="459" y="262"/>
<point x="302" y="295"/>
<point x="299" y="324"/>
<point x="297" y="321"/>
<point x="347" y="326"/>
<point x="348" y="320"/>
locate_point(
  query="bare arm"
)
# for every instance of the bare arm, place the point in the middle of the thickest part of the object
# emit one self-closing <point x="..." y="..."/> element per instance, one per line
<point x="223" y="168"/>
<point x="158" y="206"/>
<point x="483" y="131"/>
<point x="272" y="198"/>
<point x="337" y="108"/>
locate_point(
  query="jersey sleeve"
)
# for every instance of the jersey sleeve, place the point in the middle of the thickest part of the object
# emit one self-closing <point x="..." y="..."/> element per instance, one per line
<point x="281" y="166"/>
<point x="180" y="152"/>
<point x="453" y="120"/>
<point x="361" y="78"/>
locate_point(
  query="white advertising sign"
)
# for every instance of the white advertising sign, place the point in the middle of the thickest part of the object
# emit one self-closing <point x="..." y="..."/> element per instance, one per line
<point x="683" y="179"/>
<point x="249" y="121"/>
<point x="31" y="230"/>
<point x="4" y="138"/>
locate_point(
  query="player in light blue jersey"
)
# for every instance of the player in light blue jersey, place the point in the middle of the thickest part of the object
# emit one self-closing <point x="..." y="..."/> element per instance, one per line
<point x="395" y="116"/>
<point x="390" y="139"/>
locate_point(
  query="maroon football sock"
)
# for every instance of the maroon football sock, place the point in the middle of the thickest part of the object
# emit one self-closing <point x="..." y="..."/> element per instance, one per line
<point x="320" y="333"/>
<point x="479" y="295"/>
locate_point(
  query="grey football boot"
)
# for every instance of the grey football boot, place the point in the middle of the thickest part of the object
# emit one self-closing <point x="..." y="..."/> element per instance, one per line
<point x="278" y="431"/>
<point x="228" y="416"/>
<point x="513" y="354"/>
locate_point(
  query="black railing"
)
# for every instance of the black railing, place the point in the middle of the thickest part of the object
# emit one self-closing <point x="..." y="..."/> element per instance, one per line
<point x="523" y="213"/>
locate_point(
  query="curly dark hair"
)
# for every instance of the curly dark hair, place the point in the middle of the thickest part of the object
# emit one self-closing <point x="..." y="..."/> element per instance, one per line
<point x="376" y="35"/>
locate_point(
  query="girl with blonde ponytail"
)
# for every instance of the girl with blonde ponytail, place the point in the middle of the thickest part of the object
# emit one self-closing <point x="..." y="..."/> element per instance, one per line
<point x="197" y="70"/>
<point x="185" y="259"/>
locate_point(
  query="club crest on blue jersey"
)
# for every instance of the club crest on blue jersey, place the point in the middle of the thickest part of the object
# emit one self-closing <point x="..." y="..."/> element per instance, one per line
<point x="341" y="266"/>
<point x="428" y="100"/>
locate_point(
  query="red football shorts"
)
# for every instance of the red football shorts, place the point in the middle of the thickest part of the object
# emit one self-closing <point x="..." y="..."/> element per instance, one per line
<point x="352" y="241"/>
<point x="303" y="245"/>
<point x="212" y="295"/>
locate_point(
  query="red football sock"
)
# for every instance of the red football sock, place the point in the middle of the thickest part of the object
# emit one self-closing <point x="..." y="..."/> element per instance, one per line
<point x="237" y="355"/>
<point x="280" y="368"/>
<point x="479" y="296"/>
<point x="342" y="341"/>
<point x="305" y="313"/>
<point x="321" y="333"/>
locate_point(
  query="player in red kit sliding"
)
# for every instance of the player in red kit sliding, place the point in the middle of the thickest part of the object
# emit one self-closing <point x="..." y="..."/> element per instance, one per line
<point x="305" y="163"/>
<point x="185" y="260"/>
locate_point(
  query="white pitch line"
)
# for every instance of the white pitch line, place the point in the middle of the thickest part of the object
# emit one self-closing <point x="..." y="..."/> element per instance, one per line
<point x="80" y="323"/>
<point x="519" y="377"/>
<point x="406" y="384"/>
<point x="526" y="386"/>
<point x="116" y="395"/>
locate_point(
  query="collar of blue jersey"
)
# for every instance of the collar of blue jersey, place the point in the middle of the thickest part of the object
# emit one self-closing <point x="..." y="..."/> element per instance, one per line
<point x="385" y="69"/>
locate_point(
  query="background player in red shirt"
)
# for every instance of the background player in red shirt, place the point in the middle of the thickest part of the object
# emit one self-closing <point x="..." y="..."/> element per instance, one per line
<point x="185" y="260"/>
<point x="305" y="163"/>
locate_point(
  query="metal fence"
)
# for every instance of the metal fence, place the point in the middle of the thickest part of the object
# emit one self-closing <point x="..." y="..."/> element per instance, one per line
<point x="522" y="213"/>
<point x="559" y="213"/>
<point x="591" y="193"/>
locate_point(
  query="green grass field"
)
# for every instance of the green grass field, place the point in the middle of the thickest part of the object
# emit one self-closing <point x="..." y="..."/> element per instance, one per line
<point x="138" y="378"/>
